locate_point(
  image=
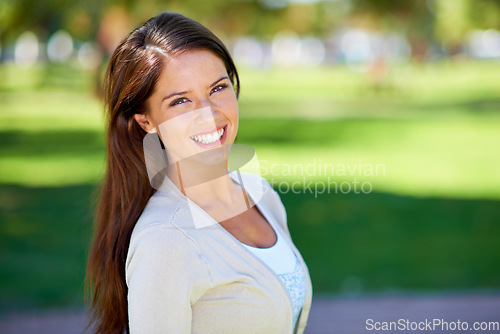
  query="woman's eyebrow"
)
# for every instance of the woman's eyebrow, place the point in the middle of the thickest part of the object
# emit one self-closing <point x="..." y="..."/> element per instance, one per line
<point x="186" y="91"/>
<point x="174" y="94"/>
<point x="218" y="80"/>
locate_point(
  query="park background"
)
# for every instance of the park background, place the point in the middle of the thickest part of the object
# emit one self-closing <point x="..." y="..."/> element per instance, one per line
<point x="411" y="85"/>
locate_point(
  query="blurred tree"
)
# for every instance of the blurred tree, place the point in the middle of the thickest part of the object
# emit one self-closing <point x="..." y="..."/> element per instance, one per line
<point x="455" y="18"/>
<point x="226" y="17"/>
<point x="452" y="22"/>
<point x="446" y="21"/>
<point x="411" y="18"/>
<point x="485" y="14"/>
<point x="45" y="17"/>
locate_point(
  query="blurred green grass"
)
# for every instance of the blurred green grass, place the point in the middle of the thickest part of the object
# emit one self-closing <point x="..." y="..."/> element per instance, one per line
<point x="431" y="222"/>
<point x="437" y="134"/>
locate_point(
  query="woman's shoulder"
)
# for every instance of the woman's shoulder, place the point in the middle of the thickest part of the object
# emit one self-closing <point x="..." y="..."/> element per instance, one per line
<point x="160" y="209"/>
<point x="160" y="249"/>
<point x="166" y="216"/>
<point x="158" y="235"/>
<point x="156" y="228"/>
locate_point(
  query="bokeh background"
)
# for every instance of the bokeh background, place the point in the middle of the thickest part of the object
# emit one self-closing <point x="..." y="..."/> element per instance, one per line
<point x="413" y="86"/>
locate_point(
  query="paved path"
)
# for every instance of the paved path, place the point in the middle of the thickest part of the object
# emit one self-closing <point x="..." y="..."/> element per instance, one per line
<point x="349" y="316"/>
<point x="328" y="315"/>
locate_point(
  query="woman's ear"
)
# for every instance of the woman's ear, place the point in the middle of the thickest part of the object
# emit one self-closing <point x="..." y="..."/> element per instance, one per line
<point x="142" y="120"/>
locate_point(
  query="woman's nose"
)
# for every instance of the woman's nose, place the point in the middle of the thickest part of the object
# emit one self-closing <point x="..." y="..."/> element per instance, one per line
<point x="206" y="115"/>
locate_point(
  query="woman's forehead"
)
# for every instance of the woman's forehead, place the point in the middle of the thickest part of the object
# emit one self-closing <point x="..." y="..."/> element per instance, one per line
<point x="193" y="65"/>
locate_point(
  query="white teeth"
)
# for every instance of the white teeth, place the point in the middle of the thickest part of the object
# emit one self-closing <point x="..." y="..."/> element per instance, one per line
<point x="208" y="138"/>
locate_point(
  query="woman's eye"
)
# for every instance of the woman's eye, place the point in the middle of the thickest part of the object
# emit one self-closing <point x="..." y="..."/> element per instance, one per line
<point x="218" y="88"/>
<point x="180" y="100"/>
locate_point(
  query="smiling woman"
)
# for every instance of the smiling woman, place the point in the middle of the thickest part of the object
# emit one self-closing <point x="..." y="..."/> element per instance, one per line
<point x="206" y="249"/>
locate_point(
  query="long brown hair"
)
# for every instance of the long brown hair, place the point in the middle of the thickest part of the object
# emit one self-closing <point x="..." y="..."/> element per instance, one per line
<point x="131" y="76"/>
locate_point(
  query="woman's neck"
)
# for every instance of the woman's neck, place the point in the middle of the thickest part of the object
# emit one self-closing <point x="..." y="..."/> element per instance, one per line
<point x="211" y="188"/>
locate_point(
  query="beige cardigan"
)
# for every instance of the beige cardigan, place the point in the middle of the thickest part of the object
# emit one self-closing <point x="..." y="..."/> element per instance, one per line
<point x="183" y="278"/>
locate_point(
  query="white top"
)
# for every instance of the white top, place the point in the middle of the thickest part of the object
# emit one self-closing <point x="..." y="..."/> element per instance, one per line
<point x="281" y="259"/>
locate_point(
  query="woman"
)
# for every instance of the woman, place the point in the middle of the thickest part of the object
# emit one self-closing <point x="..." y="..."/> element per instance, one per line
<point x="185" y="242"/>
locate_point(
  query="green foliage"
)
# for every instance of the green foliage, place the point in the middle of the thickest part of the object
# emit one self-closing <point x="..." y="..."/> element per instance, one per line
<point x="43" y="17"/>
<point x="447" y="20"/>
<point x="485" y="14"/>
<point x="396" y="243"/>
<point x="44" y="233"/>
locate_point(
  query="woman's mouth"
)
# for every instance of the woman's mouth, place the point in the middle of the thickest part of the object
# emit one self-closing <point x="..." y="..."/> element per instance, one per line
<point x="210" y="138"/>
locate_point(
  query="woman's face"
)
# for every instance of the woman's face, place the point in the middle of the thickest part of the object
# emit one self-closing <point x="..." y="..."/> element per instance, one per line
<point x="193" y="107"/>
